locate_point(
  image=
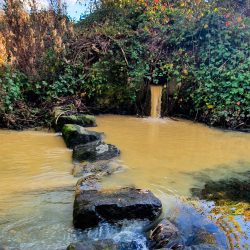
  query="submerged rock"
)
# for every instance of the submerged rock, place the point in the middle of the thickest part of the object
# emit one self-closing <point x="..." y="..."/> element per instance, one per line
<point x="89" y="182"/>
<point x="99" y="168"/>
<point x="95" y="151"/>
<point x="201" y="236"/>
<point x="166" y="236"/>
<point x="82" y="120"/>
<point x="74" y="135"/>
<point x="92" y="207"/>
<point x="231" y="189"/>
<point x="203" y="247"/>
<point x="93" y="245"/>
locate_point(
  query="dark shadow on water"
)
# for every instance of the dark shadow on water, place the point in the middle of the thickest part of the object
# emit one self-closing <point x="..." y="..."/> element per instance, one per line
<point x="234" y="188"/>
<point x="228" y="190"/>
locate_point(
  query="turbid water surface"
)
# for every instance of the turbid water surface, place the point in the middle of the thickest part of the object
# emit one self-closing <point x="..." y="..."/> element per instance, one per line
<point x="173" y="157"/>
<point x="168" y="157"/>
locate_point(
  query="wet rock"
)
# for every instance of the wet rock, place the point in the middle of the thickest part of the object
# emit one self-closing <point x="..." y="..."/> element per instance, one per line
<point x="82" y="120"/>
<point x="99" y="168"/>
<point x="131" y="245"/>
<point x="203" y="247"/>
<point x="245" y="130"/>
<point x="74" y="135"/>
<point x="89" y="182"/>
<point x="95" y="151"/>
<point x="201" y="237"/>
<point x="166" y="236"/>
<point x="231" y="189"/>
<point x="92" y="207"/>
<point x="93" y="245"/>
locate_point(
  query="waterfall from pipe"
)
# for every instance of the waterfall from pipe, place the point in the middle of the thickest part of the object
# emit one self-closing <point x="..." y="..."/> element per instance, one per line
<point x="156" y="93"/>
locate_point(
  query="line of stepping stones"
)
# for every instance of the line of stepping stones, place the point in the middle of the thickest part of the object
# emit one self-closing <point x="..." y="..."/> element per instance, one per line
<point x="93" y="159"/>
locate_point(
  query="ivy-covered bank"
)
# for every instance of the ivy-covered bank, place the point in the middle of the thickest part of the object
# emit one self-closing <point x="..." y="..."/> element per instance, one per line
<point x="198" y="50"/>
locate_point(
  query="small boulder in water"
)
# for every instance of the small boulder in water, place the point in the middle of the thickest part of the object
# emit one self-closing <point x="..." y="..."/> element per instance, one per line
<point x="98" y="168"/>
<point x="82" y="120"/>
<point x="95" y="151"/>
<point x="92" y="206"/>
<point x="93" y="245"/>
<point x="166" y="235"/>
<point x="89" y="182"/>
<point x="74" y="135"/>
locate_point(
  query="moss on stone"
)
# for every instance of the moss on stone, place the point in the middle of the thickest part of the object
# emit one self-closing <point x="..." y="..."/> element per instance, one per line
<point x="68" y="128"/>
<point x="75" y="135"/>
<point x="71" y="247"/>
<point x="67" y="131"/>
<point x="82" y="120"/>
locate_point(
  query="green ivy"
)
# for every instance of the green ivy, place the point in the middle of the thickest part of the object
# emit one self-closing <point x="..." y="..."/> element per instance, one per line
<point x="11" y="85"/>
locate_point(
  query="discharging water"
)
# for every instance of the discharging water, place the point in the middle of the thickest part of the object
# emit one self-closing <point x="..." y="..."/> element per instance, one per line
<point x="156" y="93"/>
<point x="168" y="157"/>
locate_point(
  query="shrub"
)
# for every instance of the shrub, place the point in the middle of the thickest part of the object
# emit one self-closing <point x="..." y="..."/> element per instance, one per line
<point x="11" y="85"/>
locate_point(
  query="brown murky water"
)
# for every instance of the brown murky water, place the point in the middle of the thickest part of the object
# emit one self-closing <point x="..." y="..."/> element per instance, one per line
<point x="32" y="161"/>
<point x="35" y="190"/>
<point x="162" y="154"/>
<point x="169" y="157"/>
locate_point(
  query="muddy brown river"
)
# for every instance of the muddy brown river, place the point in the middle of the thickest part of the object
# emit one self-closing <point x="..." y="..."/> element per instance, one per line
<point x="166" y="156"/>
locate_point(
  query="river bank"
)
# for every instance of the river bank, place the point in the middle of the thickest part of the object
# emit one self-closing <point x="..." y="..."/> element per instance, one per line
<point x="29" y="116"/>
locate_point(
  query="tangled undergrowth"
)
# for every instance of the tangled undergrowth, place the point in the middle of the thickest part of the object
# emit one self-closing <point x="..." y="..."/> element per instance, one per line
<point x="198" y="50"/>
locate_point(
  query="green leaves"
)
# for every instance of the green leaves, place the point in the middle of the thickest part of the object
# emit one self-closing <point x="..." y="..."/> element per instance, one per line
<point x="199" y="47"/>
<point x="11" y="84"/>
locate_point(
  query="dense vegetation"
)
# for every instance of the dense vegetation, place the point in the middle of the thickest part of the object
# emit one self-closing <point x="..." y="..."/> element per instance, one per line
<point x="198" y="50"/>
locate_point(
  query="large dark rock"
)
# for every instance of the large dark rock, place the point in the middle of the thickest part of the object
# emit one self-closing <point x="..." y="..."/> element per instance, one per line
<point x="95" y="151"/>
<point x="93" y="245"/>
<point x="166" y="235"/>
<point x="74" y="135"/>
<point x="92" y="207"/>
<point x="82" y="120"/>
